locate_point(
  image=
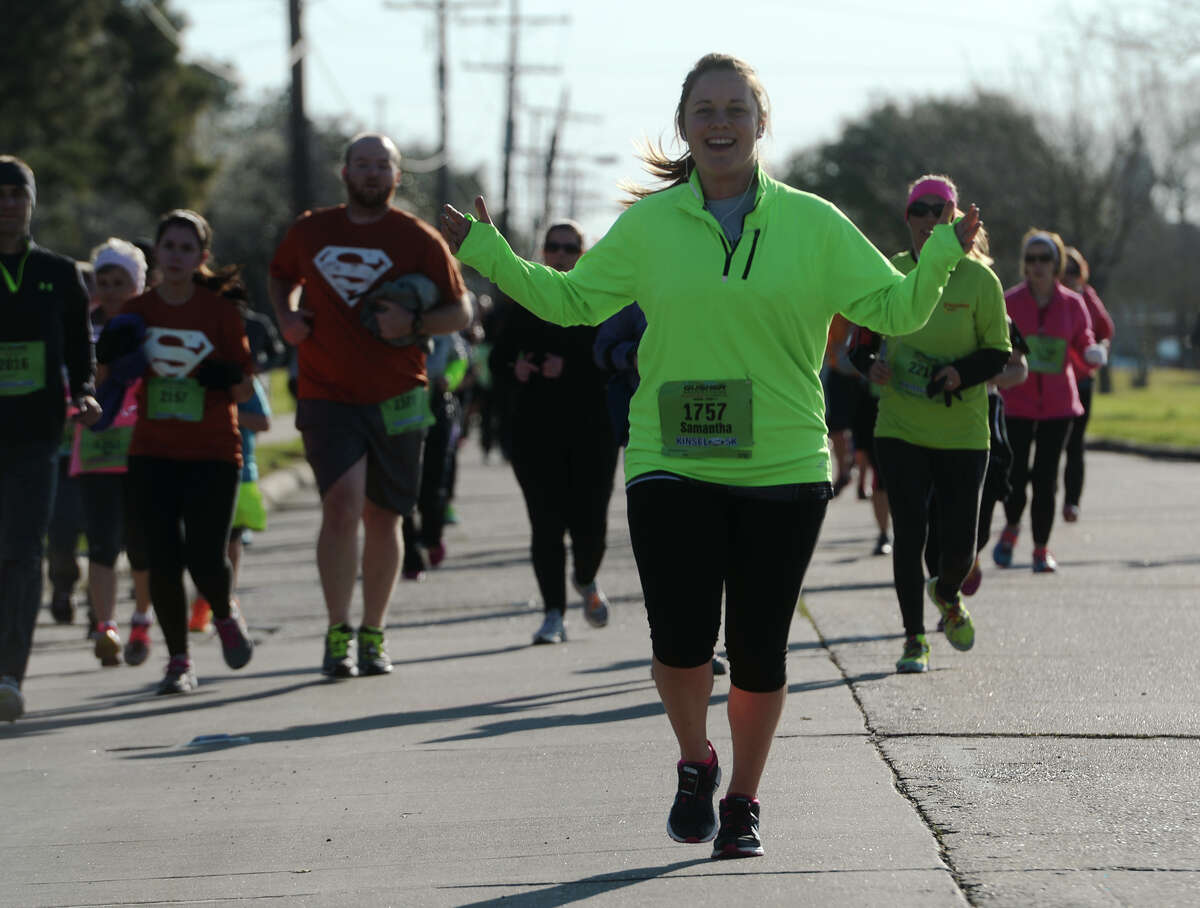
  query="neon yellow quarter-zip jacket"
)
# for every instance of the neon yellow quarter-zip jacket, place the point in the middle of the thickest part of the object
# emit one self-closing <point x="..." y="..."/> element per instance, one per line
<point x="755" y="315"/>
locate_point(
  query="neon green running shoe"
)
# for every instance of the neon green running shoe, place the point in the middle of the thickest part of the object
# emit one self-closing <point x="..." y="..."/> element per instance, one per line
<point x="916" y="655"/>
<point x="960" y="629"/>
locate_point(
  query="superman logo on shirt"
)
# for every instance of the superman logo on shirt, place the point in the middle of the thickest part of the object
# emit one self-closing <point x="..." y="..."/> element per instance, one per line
<point x="351" y="270"/>
<point x="174" y="352"/>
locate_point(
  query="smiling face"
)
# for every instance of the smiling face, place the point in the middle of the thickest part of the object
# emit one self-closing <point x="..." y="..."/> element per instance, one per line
<point x="721" y="125"/>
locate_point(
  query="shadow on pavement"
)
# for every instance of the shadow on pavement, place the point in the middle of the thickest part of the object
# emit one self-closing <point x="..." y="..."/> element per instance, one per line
<point x="842" y="641"/>
<point x="43" y="721"/>
<point x="503" y="707"/>
<point x="574" y="890"/>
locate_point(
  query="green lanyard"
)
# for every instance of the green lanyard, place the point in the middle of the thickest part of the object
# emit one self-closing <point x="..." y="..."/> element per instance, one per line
<point x="14" y="286"/>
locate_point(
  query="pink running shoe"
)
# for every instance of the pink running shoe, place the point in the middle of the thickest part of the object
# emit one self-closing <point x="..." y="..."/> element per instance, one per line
<point x="971" y="583"/>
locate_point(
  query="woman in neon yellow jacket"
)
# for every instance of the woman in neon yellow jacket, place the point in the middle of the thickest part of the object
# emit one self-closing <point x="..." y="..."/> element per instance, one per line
<point x="727" y="469"/>
<point x="932" y="435"/>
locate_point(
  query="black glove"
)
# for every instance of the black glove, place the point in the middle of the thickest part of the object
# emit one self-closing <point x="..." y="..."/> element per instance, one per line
<point x="936" y="386"/>
<point x="218" y="374"/>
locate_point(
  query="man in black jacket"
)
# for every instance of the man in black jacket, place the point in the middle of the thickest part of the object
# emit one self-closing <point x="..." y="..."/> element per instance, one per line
<point x="43" y="328"/>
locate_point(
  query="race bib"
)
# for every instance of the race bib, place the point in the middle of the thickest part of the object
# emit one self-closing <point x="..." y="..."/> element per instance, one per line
<point x="1046" y="354"/>
<point x="175" y="398"/>
<point x="707" y="418"/>
<point x="22" y="367"/>
<point x="912" y="370"/>
<point x="103" y="451"/>
<point x="407" y="412"/>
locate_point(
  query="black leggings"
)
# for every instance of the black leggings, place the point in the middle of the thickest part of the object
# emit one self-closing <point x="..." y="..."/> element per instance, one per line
<point x="693" y="541"/>
<point x="914" y="474"/>
<point x="1073" y="471"/>
<point x="995" y="487"/>
<point x="566" y="476"/>
<point x="110" y="521"/>
<point x="1047" y="437"/>
<point x="186" y="508"/>
<point x="432" y="497"/>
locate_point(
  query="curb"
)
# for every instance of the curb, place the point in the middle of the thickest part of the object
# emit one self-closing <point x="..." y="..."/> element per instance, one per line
<point x="1155" y="452"/>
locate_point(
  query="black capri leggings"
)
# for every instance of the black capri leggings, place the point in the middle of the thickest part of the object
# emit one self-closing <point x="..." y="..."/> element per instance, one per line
<point x="693" y="541"/>
<point x="1047" y="438"/>
<point x="913" y="475"/>
<point x="1073" y="470"/>
<point x="186" y="509"/>
<point x="566" y="475"/>
<point x="110" y="520"/>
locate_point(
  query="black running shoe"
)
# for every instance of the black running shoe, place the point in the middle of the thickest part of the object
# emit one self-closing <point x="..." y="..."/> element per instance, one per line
<point x="692" y="818"/>
<point x="738" y="837"/>
<point x="338" y="662"/>
<point x="62" y="609"/>
<point x="373" y="657"/>
<point x="180" y="678"/>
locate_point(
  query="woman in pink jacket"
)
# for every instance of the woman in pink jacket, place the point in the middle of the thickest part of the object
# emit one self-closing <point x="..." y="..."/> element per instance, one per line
<point x="1054" y="320"/>
<point x="1076" y="277"/>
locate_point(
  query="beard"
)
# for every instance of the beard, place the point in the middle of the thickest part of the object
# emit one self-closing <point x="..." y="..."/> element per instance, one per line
<point x="369" y="198"/>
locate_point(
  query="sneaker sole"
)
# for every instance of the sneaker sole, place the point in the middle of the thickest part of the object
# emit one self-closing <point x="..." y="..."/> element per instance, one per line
<point x="108" y="652"/>
<point x="136" y="655"/>
<point x="338" y="674"/>
<point x="911" y="669"/>
<point x="365" y="670"/>
<point x="12" y="706"/>
<point x="696" y="840"/>
<point x="594" y="620"/>
<point x="732" y="851"/>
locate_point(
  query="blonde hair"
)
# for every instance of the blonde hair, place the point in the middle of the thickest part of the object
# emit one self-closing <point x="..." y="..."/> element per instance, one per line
<point x="1081" y="263"/>
<point x="1046" y="238"/>
<point x="981" y="249"/>
<point x="674" y="171"/>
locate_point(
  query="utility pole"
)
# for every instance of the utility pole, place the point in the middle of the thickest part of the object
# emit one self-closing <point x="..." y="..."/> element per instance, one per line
<point x="554" y="153"/>
<point x="440" y="9"/>
<point x="511" y="69"/>
<point x="298" y="122"/>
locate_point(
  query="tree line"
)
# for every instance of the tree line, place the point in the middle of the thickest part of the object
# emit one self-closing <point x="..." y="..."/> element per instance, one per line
<point x="119" y="129"/>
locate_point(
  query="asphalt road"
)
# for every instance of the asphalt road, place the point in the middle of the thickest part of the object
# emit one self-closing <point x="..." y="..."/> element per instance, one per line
<point x="1054" y="764"/>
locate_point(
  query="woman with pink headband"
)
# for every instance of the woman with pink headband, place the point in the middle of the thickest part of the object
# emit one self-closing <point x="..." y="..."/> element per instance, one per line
<point x="1054" y="321"/>
<point x="932" y="435"/>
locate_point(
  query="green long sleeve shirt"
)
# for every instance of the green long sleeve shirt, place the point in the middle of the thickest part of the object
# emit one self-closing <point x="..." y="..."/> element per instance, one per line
<point x="730" y="390"/>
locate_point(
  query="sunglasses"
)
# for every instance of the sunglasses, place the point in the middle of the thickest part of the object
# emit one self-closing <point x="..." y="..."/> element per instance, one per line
<point x="920" y="209"/>
<point x="1044" y="257"/>
<point x="570" y="248"/>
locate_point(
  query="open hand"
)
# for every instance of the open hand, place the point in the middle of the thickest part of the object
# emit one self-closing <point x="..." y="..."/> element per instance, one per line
<point x="552" y="365"/>
<point x="454" y="224"/>
<point x="966" y="228"/>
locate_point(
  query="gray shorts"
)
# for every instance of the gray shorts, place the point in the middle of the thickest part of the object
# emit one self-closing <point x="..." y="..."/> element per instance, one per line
<point x="337" y="435"/>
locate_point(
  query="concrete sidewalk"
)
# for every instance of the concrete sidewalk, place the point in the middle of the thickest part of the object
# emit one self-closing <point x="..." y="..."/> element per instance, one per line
<point x="486" y="771"/>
